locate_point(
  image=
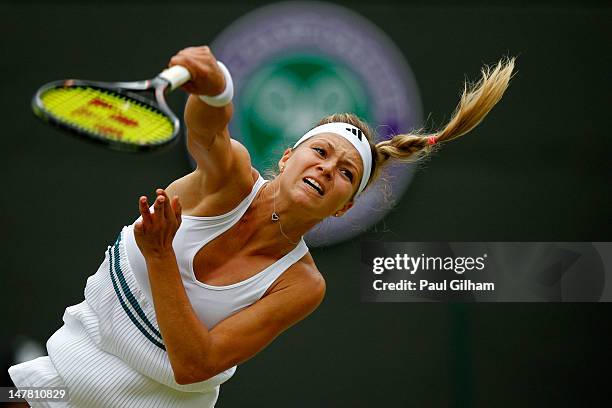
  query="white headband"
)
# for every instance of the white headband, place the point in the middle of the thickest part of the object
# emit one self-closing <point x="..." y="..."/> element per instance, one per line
<point x="353" y="135"/>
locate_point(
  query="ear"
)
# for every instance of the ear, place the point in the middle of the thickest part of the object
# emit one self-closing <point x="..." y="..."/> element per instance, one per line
<point x="344" y="209"/>
<point x="286" y="155"/>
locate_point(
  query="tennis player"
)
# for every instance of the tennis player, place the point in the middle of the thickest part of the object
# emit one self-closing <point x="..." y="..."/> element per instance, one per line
<point x="217" y="267"/>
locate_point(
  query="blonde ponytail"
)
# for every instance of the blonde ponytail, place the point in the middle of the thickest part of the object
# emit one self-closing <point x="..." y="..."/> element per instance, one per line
<point x="476" y="102"/>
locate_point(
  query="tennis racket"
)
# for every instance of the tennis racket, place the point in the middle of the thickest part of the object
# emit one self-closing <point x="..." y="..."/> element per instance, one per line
<point x="118" y="114"/>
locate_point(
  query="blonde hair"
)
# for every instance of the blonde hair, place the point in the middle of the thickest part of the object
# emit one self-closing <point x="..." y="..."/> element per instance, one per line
<point x="476" y="102"/>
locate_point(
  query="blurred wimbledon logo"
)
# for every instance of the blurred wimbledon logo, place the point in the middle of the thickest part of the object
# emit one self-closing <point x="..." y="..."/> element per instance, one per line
<point x="294" y="63"/>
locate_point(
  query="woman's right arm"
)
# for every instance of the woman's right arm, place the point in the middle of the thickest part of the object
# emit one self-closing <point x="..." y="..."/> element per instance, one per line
<point x="208" y="138"/>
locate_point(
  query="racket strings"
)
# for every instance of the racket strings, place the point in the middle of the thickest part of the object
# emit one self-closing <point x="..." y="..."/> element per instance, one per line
<point x="108" y="115"/>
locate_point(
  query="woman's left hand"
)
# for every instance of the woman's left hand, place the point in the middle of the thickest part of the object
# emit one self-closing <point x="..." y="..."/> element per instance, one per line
<point x="155" y="232"/>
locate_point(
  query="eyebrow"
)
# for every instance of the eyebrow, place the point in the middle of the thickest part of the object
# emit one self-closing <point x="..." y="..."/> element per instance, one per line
<point x="331" y="147"/>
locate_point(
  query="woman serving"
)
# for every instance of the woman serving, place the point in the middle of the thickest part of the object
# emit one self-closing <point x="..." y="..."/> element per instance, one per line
<point x="216" y="267"/>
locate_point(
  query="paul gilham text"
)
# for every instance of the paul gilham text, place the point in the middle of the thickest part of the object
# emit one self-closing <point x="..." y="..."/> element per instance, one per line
<point x="455" y="284"/>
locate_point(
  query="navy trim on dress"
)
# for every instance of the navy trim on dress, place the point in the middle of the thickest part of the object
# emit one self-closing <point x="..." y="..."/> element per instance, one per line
<point x="130" y="297"/>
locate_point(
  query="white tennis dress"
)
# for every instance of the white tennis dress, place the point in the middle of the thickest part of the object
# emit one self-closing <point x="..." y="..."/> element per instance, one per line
<point x="110" y="353"/>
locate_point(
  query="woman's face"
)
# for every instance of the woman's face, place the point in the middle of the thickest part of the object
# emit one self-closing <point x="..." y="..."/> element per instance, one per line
<point x="331" y="162"/>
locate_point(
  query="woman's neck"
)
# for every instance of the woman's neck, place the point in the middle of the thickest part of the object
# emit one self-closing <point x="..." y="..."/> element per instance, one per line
<point x="280" y="235"/>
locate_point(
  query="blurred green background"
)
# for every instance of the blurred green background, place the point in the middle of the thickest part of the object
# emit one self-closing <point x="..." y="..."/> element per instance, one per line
<point x="537" y="169"/>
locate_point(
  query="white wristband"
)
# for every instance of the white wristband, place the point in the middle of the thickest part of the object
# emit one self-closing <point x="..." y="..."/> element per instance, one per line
<point x="224" y="97"/>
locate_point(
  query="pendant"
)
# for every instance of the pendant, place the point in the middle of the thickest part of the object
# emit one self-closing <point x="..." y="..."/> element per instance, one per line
<point x="274" y="217"/>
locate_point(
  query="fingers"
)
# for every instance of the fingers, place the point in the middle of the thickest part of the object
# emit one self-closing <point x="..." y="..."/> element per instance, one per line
<point x="206" y="76"/>
<point x="189" y="87"/>
<point x="168" y="213"/>
<point x="176" y="206"/>
<point x="190" y="57"/>
<point x="143" y="207"/>
<point x="172" y="208"/>
<point x="183" y="61"/>
<point x="165" y="209"/>
<point x="159" y="208"/>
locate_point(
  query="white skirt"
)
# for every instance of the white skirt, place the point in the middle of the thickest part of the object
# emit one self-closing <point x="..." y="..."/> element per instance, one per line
<point x="39" y="372"/>
<point x="109" y="352"/>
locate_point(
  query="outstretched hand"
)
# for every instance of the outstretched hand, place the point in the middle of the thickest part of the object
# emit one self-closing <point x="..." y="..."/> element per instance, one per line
<point x="155" y="232"/>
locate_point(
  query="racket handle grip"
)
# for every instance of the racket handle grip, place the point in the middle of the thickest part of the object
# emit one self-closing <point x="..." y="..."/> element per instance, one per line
<point x="177" y="75"/>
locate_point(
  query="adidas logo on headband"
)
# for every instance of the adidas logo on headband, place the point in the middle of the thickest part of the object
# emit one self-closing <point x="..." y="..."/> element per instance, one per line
<point x="356" y="132"/>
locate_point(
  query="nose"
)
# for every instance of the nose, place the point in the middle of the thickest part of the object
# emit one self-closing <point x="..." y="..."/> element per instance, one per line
<point x="326" y="169"/>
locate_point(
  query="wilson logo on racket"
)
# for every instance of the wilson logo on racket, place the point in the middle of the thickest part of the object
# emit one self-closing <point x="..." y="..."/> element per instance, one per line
<point x="115" y="113"/>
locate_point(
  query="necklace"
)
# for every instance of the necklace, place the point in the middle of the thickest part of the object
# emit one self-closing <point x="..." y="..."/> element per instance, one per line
<point x="275" y="218"/>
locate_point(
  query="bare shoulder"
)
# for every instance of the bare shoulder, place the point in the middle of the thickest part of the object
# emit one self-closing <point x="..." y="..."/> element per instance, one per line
<point x="303" y="278"/>
<point x="311" y="275"/>
<point x="239" y="171"/>
<point x="201" y="194"/>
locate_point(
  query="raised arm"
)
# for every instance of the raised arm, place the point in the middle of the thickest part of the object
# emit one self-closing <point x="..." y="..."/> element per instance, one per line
<point x="208" y="138"/>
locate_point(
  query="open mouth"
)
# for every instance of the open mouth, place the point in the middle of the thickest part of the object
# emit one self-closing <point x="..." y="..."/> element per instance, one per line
<point x="314" y="185"/>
